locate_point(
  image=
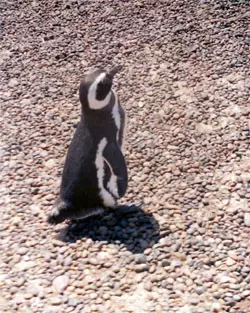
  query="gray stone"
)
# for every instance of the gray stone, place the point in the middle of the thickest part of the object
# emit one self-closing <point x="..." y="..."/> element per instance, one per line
<point x="140" y="259"/>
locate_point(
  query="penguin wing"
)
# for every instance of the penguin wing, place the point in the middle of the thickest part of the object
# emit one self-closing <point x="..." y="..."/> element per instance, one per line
<point x="77" y="163"/>
<point x="122" y="130"/>
<point x="117" y="165"/>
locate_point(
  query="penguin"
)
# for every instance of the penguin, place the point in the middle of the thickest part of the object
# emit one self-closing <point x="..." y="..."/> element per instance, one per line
<point x="95" y="173"/>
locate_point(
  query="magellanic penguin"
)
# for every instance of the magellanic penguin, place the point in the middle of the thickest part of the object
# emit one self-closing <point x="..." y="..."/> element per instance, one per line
<point x="95" y="172"/>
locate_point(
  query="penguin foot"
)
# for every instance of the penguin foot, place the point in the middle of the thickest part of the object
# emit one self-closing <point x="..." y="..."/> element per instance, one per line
<point x="54" y="219"/>
<point x="59" y="213"/>
<point x="125" y="209"/>
<point x="85" y="213"/>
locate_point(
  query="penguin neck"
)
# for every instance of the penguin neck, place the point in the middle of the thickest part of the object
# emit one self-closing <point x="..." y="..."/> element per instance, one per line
<point x="103" y="113"/>
<point x="97" y="117"/>
<point x="95" y="104"/>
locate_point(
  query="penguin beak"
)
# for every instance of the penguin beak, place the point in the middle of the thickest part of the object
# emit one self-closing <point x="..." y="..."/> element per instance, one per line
<point x="114" y="70"/>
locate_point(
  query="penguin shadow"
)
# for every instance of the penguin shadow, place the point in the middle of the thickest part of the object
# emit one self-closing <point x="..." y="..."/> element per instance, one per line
<point x="129" y="226"/>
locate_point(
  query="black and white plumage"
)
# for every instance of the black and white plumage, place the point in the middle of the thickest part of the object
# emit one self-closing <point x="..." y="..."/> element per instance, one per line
<point x="95" y="172"/>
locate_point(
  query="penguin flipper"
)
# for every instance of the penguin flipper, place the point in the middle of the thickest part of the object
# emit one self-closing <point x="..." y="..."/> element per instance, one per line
<point x="123" y="126"/>
<point x="116" y="162"/>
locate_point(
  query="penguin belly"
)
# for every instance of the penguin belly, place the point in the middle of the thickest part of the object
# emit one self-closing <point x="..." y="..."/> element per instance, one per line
<point x="111" y="172"/>
<point x="107" y="180"/>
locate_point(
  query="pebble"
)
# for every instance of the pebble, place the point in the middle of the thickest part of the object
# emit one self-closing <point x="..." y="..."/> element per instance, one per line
<point x="230" y="261"/>
<point x="50" y="163"/>
<point x="165" y="263"/>
<point x="216" y="307"/>
<point x="72" y="302"/>
<point x="141" y="268"/>
<point x="60" y="283"/>
<point x="67" y="261"/>
<point x="13" y="82"/>
<point x="22" y="251"/>
<point x="247" y="219"/>
<point x="246" y="293"/>
<point x="57" y="243"/>
<point x="16" y="220"/>
<point x="20" y="282"/>
<point x="245" y="269"/>
<point x="200" y="290"/>
<point x="140" y="259"/>
<point x="55" y="301"/>
<point x="24" y="265"/>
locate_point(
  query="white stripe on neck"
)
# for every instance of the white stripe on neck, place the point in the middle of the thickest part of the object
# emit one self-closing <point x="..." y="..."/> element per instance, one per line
<point x="93" y="102"/>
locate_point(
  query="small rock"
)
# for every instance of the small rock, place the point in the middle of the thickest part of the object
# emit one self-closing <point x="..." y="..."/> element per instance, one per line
<point x="148" y="286"/>
<point x="234" y="286"/>
<point x="35" y="209"/>
<point x="245" y="269"/>
<point x="237" y="298"/>
<point x="176" y="263"/>
<point x="140" y="259"/>
<point x="3" y="302"/>
<point x="165" y="262"/>
<point x="20" y="282"/>
<point x="24" y="265"/>
<point x="246" y="293"/>
<point x="247" y="219"/>
<point x="12" y="82"/>
<point x="57" y="243"/>
<point x="22" y="251"/>
<point x="93" y="261"/>
<point x="50" y="163"/>
<point x="16" y="220"/>
<point x="200" y="290"/>
<point x="25" y="102"/>
<point x="3" y="277"/>
<point x="67" y="261"/>
<point x="194" y="300"/>
<point x="13" y="290"/>
<point x="230" y="261"/>
<point x="93" y="296"/>
<point x="216" y="307"/>
<point x="60" y="283"/>
<point x="141" y="268"/>
<point x="28" y="296"/>
<point x="147" y="200"/>
<point x="224" y="279"/>
<point x="55" y="301"/>
<point x="73" y="302"/>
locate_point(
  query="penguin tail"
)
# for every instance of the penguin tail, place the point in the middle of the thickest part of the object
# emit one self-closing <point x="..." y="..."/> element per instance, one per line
<point x="59" y="213"/>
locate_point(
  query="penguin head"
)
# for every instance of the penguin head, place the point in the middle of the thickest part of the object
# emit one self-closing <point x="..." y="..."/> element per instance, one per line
<point x="95" y="89"/>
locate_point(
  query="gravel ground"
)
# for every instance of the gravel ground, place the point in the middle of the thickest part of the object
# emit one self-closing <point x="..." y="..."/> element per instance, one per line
<point x="185" y="86"/>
